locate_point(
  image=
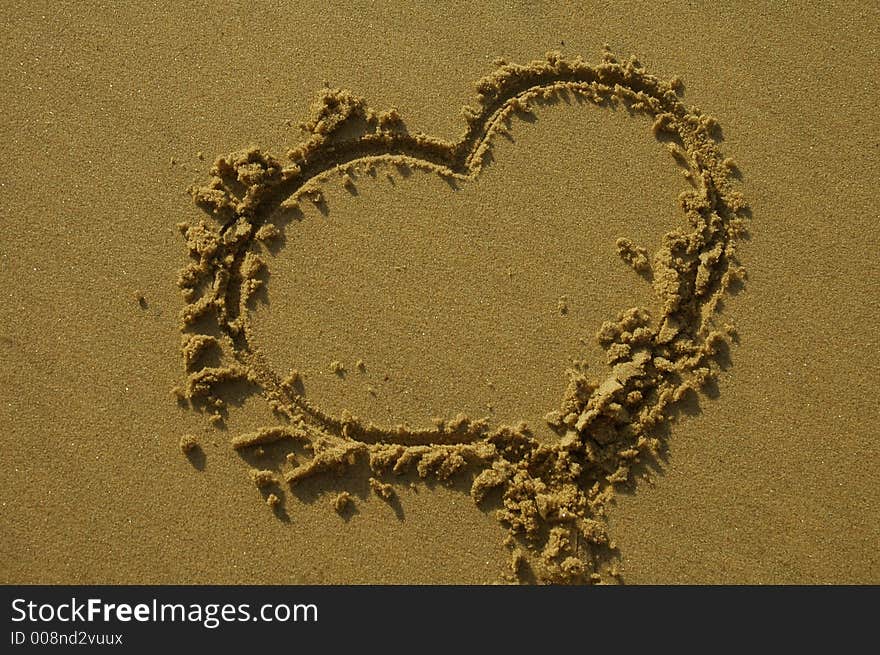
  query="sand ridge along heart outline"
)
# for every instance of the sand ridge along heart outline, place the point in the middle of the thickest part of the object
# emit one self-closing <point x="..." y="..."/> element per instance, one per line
<point x="552" y="497"/>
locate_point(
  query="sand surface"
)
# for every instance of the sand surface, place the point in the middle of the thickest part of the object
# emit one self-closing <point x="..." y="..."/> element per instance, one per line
<point x="474" y="297"/>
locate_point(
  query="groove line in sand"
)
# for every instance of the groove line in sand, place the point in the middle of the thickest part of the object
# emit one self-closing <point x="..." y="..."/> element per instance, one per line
<point x="552" y="497"/>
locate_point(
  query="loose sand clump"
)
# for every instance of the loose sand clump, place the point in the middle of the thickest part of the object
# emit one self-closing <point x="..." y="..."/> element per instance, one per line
<point x="188" y="443"/>
<point x="342" y="502"/>
<point x="384" y="490"/>
<point x="635" y="256"/>
<point x="263" y="478"/>
<point x="552" y="496"/>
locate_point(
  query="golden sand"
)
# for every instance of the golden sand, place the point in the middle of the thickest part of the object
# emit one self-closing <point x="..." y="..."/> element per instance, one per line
<point x="553" y="493"/>
<point x="390" y="324"/>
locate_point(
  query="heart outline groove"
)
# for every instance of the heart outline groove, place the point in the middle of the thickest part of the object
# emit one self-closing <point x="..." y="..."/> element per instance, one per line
<point x="551" y="496"/>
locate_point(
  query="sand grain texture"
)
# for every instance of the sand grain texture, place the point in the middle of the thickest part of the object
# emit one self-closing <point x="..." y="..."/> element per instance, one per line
<point x="105" y="114"/>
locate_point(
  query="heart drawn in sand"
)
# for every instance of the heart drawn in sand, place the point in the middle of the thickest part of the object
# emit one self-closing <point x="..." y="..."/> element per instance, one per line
<point x="551" y="496"/>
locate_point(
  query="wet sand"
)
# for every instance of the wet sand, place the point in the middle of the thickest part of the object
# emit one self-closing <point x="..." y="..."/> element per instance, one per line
<point x="473" y="297"/>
